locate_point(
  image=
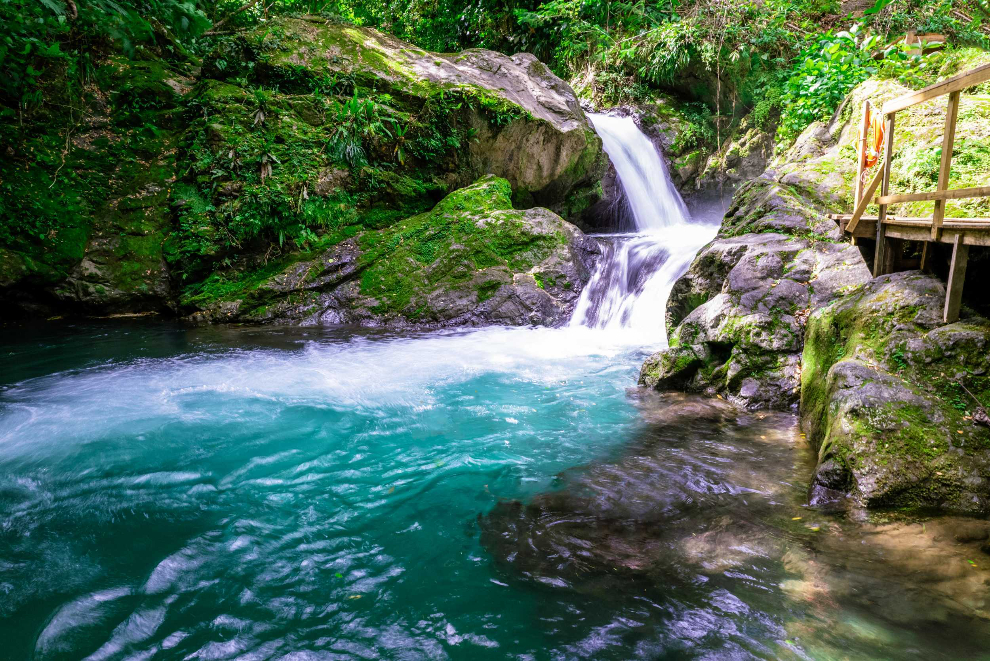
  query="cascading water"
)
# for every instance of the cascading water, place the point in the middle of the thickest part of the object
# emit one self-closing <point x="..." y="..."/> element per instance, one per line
<point x="630" y="287"/>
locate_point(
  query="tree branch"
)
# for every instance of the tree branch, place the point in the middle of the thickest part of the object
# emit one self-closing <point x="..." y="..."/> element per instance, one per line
<point x="213" y="30"/>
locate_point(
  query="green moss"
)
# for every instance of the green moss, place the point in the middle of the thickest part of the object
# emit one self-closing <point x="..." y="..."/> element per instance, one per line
<point x="471" y="230"/>
<point x="229" y="285"/>
<point x="487" y="289"/>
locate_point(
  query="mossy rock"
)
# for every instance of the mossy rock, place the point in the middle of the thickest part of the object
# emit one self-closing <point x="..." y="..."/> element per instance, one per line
<point x="737" y="317"/>
<point x="85" y="205"/>
<point x="528" y="126"/>
<point x="472" y="260"/>
<point x="882" y="403"/>
<point x="295" y="137"/>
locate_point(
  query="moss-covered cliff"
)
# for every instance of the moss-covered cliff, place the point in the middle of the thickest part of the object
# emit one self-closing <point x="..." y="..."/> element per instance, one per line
<point x="187" y="187"/>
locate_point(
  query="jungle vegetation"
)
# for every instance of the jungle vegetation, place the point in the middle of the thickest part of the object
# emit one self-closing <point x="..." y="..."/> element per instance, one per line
<point x="65" y="64"/>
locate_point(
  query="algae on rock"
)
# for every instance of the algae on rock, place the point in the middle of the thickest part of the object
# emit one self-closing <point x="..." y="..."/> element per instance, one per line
<point x="738" y="314"/>
<point x="882" y="402"/>
<point x="85" y="202"/>
<point x="471" y="260"/>
<point x="780" y="309"/>
<point x="309" y="133"/>
<point x="293" y="138"/>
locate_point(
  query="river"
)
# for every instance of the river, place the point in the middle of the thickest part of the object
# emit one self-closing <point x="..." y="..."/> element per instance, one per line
<point x="169" y="491"/>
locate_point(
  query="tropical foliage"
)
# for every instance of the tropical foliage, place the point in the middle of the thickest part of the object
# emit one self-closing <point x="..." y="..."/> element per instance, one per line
<point x="785" y="63"/>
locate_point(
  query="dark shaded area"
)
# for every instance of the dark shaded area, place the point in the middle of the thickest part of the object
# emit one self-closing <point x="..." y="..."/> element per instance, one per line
<point x="975" y="296"/>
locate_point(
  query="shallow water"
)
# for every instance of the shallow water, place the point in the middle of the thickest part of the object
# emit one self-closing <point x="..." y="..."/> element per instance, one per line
<point x="497" y="493"/>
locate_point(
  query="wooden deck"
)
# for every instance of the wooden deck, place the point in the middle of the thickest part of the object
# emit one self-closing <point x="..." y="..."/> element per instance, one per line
<point x="889" y="231"/>
<point x="975" y="231"/>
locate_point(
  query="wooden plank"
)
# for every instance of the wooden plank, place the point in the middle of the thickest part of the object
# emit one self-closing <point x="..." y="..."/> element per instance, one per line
<point x="879" y="257"/>
<point x="866" y="229"/>
<point x="955" y="84"/>
<point x="865" y="201"/>
<point x="930" y="196"/>
<point x="975" y="223"/>
<point x="957" y="274"/>
<point x="896" y="219"/>
<point x="949" y="234"/>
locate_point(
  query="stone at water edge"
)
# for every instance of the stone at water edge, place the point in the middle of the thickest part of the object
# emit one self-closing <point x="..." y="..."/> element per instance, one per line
<point x="881" y="403"/>
<point x="473" y="260"/>
<point x="485" y="112"/>
<point x="889" y="429"/>
<point x="738" y="314"/>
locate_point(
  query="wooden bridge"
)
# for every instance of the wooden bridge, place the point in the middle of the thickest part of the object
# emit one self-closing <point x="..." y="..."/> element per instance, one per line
<point x="889" y="230"/>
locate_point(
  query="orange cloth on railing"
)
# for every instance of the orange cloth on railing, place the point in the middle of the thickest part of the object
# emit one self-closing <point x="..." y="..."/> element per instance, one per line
<point x="874" y="139"/>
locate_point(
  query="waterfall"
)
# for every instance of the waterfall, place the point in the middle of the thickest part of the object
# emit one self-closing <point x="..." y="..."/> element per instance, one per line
<point x="631" y="284"/>
<point x="655" y="203"/>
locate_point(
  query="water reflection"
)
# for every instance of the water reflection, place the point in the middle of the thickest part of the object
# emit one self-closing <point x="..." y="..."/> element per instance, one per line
<point x="698" y="532"/>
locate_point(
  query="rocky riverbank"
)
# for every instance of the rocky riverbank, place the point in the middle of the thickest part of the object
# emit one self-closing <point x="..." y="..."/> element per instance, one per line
<point x="780" y="311"/>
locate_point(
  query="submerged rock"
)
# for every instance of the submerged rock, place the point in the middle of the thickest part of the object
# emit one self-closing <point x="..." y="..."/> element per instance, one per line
<point x="706" y="511"/>
<point x="471" y="260"/>
<point x="669" y="503"/>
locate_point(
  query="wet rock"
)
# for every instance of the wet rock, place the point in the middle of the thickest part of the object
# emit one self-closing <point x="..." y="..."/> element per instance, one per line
<point x="874" y="369"/>
<point x="743" y="156"/>
<point x="881" y="399"/>
<point x="472" y="260"/>
<point x="738" y="315"/>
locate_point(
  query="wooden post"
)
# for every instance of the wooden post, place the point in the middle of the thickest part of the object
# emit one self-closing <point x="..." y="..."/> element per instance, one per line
<point x="957" y="274"/>
<point x="948" y="137"/>
<point x="879" y="259"/>
<point x="926" y="255"/>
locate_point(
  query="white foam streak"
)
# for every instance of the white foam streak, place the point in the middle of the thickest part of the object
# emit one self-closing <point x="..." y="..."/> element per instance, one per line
<point x="363" y="375"/>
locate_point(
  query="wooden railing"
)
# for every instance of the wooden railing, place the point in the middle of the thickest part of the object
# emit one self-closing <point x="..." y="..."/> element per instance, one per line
<point x="961" y="233"/>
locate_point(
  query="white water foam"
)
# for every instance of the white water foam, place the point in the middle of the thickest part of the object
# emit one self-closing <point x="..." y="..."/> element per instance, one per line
<point x="629" y="290"/>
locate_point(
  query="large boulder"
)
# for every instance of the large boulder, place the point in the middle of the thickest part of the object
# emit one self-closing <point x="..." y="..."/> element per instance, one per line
<point x="513" y="117"/>
<point x="87" y="207"/>
<point x="738" y="315"/>
<point x="471" y="260"/>
<point x="291" y="140"/>
<point x="886" y="400"/>
<point x="313" y="137"/>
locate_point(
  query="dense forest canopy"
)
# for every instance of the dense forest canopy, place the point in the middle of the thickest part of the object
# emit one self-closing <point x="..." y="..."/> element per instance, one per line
<point x="613" y="50"/>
